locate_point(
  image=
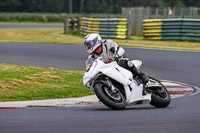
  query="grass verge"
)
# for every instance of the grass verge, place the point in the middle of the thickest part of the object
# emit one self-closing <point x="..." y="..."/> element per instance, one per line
<point x="55" y="35"/>
<point x="20" y="83"/>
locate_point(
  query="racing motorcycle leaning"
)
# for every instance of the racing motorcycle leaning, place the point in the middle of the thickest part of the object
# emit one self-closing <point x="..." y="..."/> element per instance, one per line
<point x="116" y="87"/>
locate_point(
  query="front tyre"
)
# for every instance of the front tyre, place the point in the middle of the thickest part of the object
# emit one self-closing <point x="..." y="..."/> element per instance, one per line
<point x="160" y="97"/>
<point x="113" y="100"/>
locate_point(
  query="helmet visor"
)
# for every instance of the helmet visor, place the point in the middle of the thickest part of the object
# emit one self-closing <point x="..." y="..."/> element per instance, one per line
<point x="89" y="44"/>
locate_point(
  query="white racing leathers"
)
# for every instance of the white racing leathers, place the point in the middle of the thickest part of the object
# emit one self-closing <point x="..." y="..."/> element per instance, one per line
<point x="110" y="51"/>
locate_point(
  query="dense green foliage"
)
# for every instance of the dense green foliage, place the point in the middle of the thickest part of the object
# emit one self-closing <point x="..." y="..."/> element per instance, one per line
<point x="47" y="17"/>
<point x="87" y="6"/>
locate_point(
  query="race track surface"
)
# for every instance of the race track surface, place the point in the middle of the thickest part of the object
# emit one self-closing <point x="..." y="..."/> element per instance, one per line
<point x="182" y="115"/>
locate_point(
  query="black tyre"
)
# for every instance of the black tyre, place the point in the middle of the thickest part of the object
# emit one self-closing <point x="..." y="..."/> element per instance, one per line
<point x="160" y="97"/>
<point x="113" y="100"/>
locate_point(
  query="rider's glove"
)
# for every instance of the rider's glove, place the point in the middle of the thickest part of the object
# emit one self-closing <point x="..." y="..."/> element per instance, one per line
<point x="130" y="64"/>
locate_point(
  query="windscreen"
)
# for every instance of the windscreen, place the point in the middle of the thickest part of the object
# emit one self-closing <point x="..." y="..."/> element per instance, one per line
<point x="89" y="63"/>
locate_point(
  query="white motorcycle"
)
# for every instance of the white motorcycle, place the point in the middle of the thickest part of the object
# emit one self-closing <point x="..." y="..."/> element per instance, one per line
<point x="117" y="87"/>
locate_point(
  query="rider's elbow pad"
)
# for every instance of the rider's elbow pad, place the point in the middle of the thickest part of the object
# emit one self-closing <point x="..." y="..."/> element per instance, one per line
<point x="120" y="52"/>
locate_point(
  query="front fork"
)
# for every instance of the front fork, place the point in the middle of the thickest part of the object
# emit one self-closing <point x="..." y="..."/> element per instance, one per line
<point x="108" y="84"/>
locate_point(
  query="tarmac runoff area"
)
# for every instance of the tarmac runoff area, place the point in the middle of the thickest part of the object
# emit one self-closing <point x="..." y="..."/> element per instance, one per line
<point x="176" y="90"/>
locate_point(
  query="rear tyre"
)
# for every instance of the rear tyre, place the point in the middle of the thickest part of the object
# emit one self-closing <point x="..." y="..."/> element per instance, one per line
<point x="113" y="100"/>
<point x="160" y="97"/>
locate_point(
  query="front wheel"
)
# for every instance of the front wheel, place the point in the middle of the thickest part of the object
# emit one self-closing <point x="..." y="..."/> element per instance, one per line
<point x="114" y="100"/>
<point x="160" y="97"/>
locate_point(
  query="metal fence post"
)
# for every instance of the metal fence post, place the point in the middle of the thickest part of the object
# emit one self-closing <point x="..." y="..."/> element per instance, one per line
<point x="165" y="13"/>
<point x="149" y="12"/>
<point x="129" y="29"/>
<point x="173" y="12"/>
<point x="182" y="12"/>
<point x="157" y="13"/>
<point x="66" y="26"/>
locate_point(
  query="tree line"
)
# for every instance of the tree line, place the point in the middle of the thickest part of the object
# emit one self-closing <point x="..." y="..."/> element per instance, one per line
<point x="87" y="6"/>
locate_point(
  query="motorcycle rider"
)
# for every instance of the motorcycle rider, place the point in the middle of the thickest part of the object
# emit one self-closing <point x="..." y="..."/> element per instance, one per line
<point x="110" y="51"/>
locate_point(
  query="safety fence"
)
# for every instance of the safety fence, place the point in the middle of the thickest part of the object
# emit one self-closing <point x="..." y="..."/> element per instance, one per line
<point x="172" y="29"/>
<point x="107" y="28"/>
<point x="137" y="14"/>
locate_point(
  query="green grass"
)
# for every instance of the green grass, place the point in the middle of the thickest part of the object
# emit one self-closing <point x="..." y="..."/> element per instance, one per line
<point x="57" y="36"/>
<point x="19" y="83"/>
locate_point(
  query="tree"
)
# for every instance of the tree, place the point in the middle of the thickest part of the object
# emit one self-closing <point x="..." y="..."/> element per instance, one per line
<point x="88" y="6"/>
<point x="70" y="6"/>
<point x="81" y="5"/>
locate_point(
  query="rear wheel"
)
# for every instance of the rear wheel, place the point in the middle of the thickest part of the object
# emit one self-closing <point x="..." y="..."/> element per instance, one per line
<point x="160" y="97"/>
<point x="114" y="100"/>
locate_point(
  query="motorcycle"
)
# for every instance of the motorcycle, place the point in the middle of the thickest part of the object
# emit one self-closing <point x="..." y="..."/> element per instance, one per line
<point x="116" y="87"/>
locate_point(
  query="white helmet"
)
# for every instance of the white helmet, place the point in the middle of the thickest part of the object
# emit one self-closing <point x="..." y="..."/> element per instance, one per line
<point x="92" y="42"/>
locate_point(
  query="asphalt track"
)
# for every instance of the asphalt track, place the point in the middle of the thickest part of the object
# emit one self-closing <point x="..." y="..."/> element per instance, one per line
<point x="182" y="116"/>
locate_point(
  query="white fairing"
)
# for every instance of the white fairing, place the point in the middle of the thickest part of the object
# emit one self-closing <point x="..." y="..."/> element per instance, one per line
<point x="118" y="73"/>
<point x="123" y="76"/>
<point x="113" y="70"/>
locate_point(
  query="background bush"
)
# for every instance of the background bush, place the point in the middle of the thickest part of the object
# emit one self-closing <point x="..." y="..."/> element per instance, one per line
<point x="47" y="17"/>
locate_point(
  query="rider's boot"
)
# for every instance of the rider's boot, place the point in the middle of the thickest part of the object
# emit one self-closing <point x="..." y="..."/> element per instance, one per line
<point x="141" y="75"/>
<point x="138" y="73"/>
